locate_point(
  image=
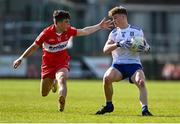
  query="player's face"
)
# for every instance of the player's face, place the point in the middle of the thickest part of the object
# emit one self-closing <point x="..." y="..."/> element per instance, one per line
<point x="63" y="25"/>
<point x="118" y="19"/>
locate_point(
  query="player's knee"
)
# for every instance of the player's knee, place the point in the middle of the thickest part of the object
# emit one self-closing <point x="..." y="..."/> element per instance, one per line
<point x="107" y="79"/>
<point x="141" y="83"/>
<point x="62" y="79"/>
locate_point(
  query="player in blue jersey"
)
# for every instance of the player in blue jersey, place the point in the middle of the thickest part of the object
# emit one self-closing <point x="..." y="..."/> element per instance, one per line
<point x="126" y="63"/>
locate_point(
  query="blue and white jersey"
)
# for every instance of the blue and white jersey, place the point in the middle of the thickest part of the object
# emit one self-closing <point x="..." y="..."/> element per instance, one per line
<point x="122" y="55"/>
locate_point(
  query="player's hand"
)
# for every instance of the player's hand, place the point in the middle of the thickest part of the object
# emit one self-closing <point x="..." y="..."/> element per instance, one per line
<point x="146" y="48"/>
<point x="125" y="44"/>
<point x="17" y="62"/>
<point x="107" y="24"/>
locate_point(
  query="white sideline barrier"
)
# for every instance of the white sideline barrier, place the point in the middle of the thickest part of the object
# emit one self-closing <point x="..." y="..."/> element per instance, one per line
<point x="98" y="65"/>
<point x="6" y="68"/>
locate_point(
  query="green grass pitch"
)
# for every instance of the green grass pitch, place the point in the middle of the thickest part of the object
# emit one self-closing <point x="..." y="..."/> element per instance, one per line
<point x="20" y="101"/>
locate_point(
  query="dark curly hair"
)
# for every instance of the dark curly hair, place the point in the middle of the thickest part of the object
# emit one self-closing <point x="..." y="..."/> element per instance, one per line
<point x="60" y="15"/>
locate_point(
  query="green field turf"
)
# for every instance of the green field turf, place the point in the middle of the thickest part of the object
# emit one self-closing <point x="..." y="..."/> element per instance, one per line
<point x="20" y="101"/>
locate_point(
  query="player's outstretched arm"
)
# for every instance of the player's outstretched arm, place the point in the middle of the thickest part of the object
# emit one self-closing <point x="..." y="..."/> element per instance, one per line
<point x="104" y="24"/>
<point x="26" y="53"/>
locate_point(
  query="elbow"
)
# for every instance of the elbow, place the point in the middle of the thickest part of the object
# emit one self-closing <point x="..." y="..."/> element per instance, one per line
<point x="86" y="34"/>
<point x="106" y="51"/>
<point x="83" y="32"/>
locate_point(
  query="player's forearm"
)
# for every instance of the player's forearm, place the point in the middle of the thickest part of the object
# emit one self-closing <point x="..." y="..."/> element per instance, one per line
<point x="29" y="51"/>
<point x="109" y="48"/>
<point x="89" y="30"/>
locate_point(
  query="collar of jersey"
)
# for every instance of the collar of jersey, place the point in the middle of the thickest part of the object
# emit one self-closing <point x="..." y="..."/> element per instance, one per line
<point x="124" y="28"/>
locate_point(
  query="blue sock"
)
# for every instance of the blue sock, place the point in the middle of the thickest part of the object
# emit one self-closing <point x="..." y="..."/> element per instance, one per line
<point x="144" y="108"/>
<point x="109" y="104"/>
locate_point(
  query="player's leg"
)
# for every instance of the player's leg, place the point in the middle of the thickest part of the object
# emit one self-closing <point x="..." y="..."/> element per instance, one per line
<point x="61" y="77"/>
<point x="46" y="85"/>
<point x="111" y="75"/>
<point x="139" y="79"/>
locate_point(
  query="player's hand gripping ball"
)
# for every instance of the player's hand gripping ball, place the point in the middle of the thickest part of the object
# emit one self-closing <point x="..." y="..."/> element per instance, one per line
<point x="138" y="44"/>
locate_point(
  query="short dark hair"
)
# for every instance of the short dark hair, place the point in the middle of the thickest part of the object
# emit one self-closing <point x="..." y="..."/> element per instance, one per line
<point x="59" y="15"/>
<point x="117" y="10"/>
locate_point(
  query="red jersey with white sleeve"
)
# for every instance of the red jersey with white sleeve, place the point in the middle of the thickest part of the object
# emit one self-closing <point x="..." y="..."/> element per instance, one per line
<point x="54" y="45"/>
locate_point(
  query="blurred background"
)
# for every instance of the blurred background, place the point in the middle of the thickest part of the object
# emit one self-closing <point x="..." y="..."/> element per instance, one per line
<point x="21" y="21"/>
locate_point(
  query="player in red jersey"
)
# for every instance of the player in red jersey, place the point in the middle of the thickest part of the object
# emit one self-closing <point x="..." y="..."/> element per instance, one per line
<point x="55" y="59"/>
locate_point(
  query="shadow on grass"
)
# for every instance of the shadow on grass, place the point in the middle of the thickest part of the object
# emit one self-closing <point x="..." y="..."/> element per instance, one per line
<point x="120" y="115"/>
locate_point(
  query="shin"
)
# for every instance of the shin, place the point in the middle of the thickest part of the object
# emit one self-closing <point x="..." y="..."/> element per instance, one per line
<point x="139" y="79"/>
<point x="61" y="77"/>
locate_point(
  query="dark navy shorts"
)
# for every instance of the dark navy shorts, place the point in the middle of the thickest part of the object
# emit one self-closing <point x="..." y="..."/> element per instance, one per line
<point x="127" y="70"/>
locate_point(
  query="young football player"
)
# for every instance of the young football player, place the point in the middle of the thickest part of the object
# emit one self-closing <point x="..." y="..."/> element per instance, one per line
<point x="126" y="63"/>
<point x="55" y="59"/>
